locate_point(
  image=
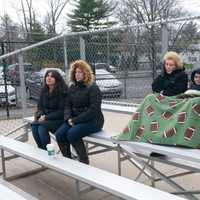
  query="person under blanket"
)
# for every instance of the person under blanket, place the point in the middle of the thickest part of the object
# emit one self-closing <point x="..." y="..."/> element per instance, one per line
<point x="173" y="80"/>
<point x="165" y="117"/>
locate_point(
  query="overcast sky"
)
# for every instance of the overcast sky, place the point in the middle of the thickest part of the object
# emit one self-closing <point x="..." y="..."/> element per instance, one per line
<point x="40" y="6"/>
<point x="11" y="7"/>
<point x="191" y="5"/>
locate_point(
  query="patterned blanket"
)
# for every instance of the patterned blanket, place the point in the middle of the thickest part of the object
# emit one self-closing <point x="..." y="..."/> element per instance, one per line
<point x="165" y="120"/>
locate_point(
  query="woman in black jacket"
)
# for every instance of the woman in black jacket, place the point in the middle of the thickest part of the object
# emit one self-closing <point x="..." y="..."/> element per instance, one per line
<point x="173" y="80"/>
<point x="50" y="109"/>
<point x="85" y="115"/>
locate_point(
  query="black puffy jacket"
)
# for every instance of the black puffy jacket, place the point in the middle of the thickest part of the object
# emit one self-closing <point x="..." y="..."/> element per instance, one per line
<point x="52" y="106"/>
<point x="171" y="84"/>
<point x="85" y="103"/>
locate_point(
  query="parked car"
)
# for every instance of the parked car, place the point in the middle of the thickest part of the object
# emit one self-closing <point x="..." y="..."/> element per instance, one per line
<point x="109" y="85"/>
<point x="105" y="66"/>
<point x="10" y="91"/>
<point x="35" y="80"/>
<point x="13" y="72"/>
<point x="44" y="70"/>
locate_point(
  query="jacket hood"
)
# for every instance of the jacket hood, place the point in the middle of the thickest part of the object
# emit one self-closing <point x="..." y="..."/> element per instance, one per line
<point x="193" y="73"/>
<point x="174" y="72"/>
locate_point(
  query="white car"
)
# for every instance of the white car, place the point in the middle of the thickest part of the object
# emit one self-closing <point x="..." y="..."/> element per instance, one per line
<point x="11" y="94"/>
<point x="108" y="84"/>
<point x="43" y="71"/>
<point x="104" y="66"/>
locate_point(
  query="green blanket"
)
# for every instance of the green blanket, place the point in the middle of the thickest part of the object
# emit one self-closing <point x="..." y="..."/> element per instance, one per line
<point x="165" y="120"/>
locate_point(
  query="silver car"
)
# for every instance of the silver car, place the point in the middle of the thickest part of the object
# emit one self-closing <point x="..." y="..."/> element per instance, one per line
<point x="105" y="66"/>
<point x="109" y="85"/>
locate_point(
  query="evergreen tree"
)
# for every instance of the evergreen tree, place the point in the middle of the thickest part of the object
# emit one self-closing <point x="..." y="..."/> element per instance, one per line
<point x="90" y="15"/>
<point x="38" y="33"/>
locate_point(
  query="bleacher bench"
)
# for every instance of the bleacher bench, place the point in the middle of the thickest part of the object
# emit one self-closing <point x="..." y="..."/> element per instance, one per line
<point x="188" y="159"/>
<point x="11" y="192"/>
<point x="108" y="182"/>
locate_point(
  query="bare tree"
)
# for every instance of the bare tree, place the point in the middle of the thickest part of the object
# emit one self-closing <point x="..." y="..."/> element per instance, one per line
<point x="28" y="17"/>
<point x="144" y="11"/>
<point x="8" y="33"/>
<point x="56" y="8"/>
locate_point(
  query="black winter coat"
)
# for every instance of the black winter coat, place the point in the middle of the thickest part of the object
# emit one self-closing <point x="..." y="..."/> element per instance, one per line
<point x="171" y="84"/>
<point x="85" y="103"/>
<point x="52" y="106"/>
<point x="193" y="85"/>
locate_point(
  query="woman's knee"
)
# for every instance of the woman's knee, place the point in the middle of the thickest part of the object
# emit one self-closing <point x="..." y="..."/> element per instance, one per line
<point x="73" y="135"/>
<point x="61" y="134"/>
<point x="34" y="129"/>
<point x="59" y="137"/>
<point x="42" y="129"/>
<point x="79" y="131"/>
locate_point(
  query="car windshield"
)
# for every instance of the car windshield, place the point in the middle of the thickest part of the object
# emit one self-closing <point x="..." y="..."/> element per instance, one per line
<point x="101" y="66"/>
<point x="102" y="74"/>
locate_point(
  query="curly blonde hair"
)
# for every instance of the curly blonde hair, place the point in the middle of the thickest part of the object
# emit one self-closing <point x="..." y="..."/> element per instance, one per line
<point x="85" y="67"/>
<point x="172" y="55"/>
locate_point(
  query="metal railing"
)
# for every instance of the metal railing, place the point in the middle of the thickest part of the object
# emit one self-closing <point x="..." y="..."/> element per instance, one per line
<point x="129" y="48"/>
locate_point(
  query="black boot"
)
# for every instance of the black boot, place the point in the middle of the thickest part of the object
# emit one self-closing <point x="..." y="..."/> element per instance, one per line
<point x="65" y="149"/>
<point x="81" y="151"/>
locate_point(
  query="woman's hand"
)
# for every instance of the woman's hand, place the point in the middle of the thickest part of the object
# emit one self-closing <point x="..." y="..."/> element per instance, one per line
<point x="70" y="122"/>
<point x="35" y="119"/>
<point x="42" y="118"/>
<point x="161" y="93"/>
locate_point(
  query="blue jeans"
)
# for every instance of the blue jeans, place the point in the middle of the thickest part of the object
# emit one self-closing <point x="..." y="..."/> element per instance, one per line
<point x="72" y="134"/>
<point x="40" y="135"/>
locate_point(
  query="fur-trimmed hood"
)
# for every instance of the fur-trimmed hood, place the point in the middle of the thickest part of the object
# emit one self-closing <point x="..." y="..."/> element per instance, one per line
<point x="193" y="84"/>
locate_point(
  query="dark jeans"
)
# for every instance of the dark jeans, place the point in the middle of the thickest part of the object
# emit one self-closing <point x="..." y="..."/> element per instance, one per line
<point x="72" y="134"/>
<point x="40" y="135"/>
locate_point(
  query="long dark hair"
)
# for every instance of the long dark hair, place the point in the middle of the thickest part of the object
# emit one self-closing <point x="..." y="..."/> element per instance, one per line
<point x="60" y="85"/>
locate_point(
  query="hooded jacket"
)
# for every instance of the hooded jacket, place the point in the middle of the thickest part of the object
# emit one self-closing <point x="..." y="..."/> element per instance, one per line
<point x="193" y="85"/>
<point x="171" y="84"/>
<point x="85" y="103"/>
<point x="52" y="106"/>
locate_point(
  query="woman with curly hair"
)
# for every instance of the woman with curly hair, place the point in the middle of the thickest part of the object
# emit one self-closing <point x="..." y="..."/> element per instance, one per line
<point x="50" y="109"/>
<point x="173" y="80"/>
<point x="85" y="115"/>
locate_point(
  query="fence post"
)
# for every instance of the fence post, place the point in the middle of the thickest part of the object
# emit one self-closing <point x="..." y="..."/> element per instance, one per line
<point x="108" y="48"/>
<point x="65" y="55"/>
<point x="22" y="85"/>
<point x="82" y="48"/>
<point x="165" y="39"/>
<point x="125" y="83"/>
<point x="5" y="81"/>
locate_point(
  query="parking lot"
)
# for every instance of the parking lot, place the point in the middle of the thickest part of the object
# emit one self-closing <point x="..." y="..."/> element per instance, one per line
<point x="134" y="88"/>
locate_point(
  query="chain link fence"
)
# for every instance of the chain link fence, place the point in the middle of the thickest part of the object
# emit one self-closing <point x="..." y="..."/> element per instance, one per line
<point x="126" y="60"/>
